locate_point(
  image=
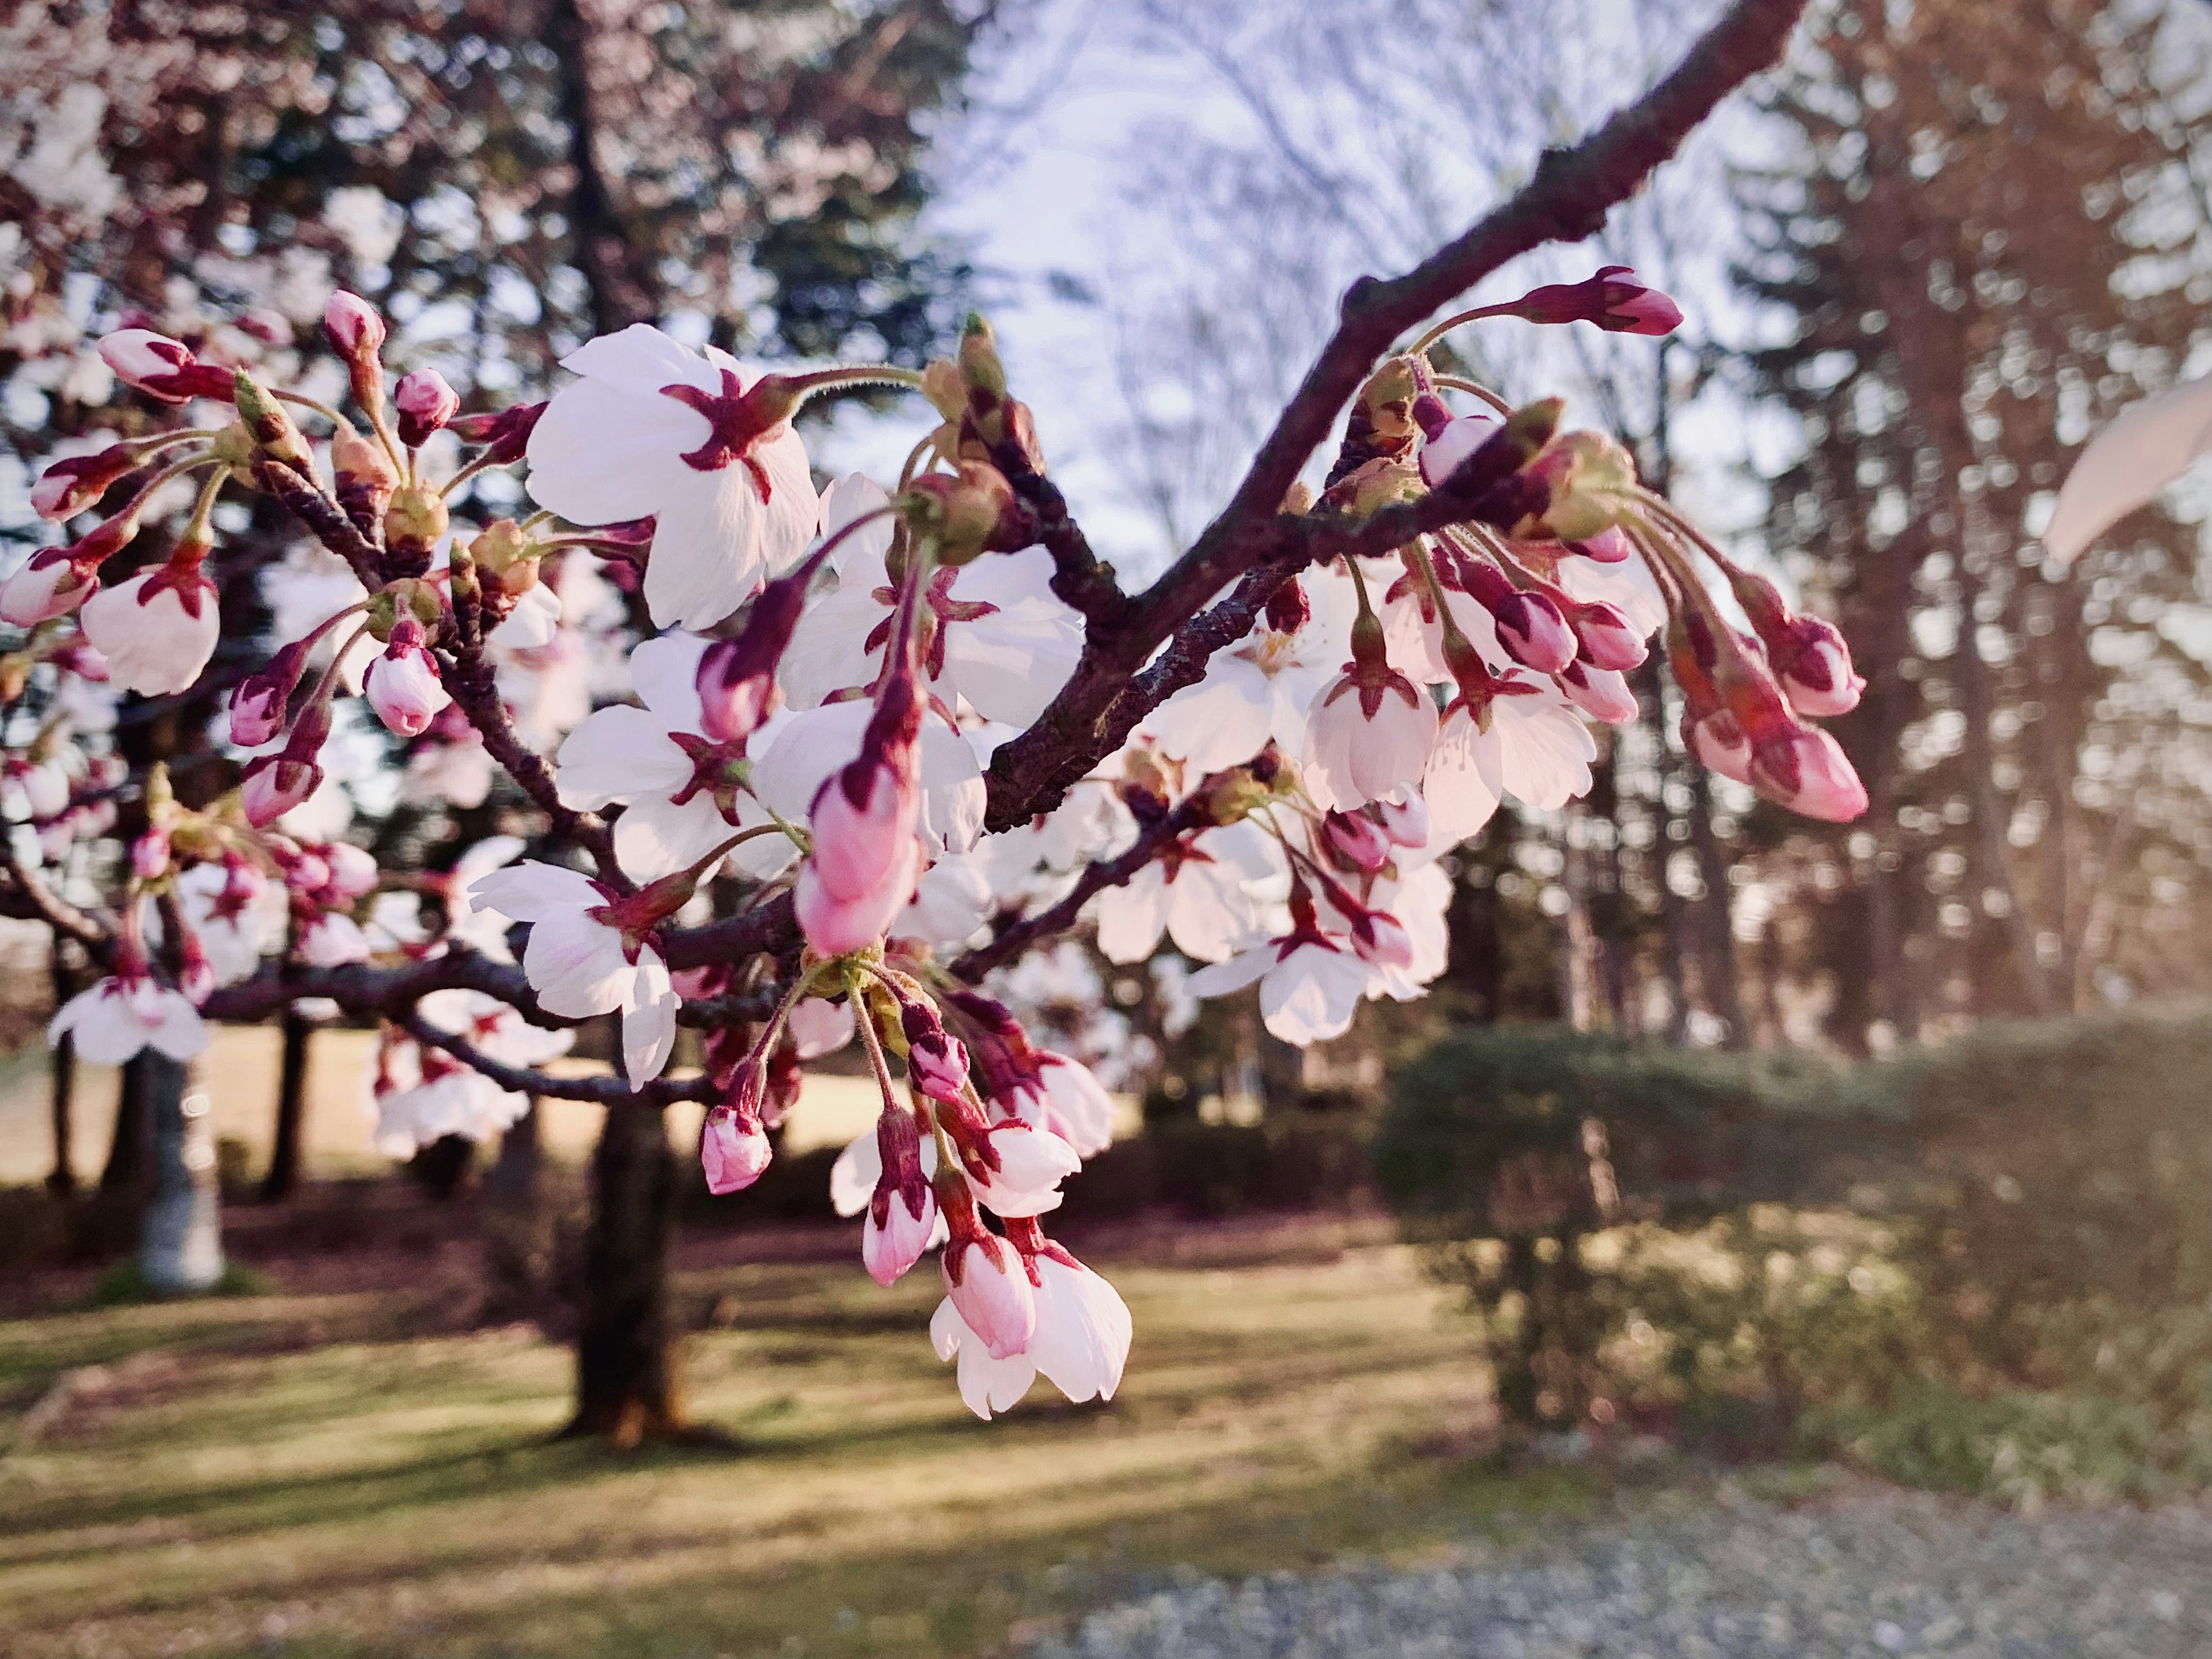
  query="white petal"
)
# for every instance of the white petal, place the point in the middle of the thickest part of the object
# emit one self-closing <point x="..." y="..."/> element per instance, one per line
<point x="616" y="754"/>
<point x="2146" y="447"/>
<point x="665" y="672"/>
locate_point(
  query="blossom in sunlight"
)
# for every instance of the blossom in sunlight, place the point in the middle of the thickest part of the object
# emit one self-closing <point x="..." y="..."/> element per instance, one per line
<point x="157" y="630"/>
<point x="580" y="962"/>
<point x="127" y="1012"/>
<point x="652" y="429"/>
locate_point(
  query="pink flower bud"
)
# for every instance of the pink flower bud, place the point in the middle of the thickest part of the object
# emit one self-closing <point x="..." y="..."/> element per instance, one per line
<point x="162" y="368"/>
<point x="901" y="1212"/>
<point x="425" y="404"/>
<point x="403" y="684"/>
<point x="733" y="1151"/>
<point x="48" y="585"/>
<point x="938" y="1062"/>
<point x="1603" y="694"/>
<point x="1357" y="839"/>
<point x="1610" y="545"/>
<point x="257" y="707"/>
<point x="1442" y="455"/>
<point x="891" y="1245"/>
<point x="837" y="926"/>
<point x="1814" y="666"/>
<point x="1609" y="638"/>
<point x="1718" y="744"/>
<point x="991" y="1292"/>
<point x="506" y="432"/>
<point x="72" y="485"/>
<point x="1380" y="939"/>
<point x="1613" y="298"/>
<point x="1533" y="633"/>
<point x="737" y="677"/>
<point x="1805" y="769"/>
<point x="353" y="325"/>
<point x="273" y="786"/>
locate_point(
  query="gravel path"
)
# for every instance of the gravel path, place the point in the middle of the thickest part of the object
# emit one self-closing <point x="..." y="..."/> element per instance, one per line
<point x="1863" y="1573"/>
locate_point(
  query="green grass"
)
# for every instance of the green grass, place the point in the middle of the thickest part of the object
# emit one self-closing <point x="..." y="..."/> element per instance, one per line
<point x="276" y="1473"/>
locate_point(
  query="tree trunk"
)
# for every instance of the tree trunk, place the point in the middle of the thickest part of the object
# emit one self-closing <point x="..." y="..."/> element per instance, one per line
<point x="625" y="1359"/>
<point x="130" y="1148"/>
<point x="62" y="1071"/>
<point x="283" y="1175"/>
<point x="1723" y="982"/>
<point x="180" y="1249"/>
<point x="518" y="1232"/>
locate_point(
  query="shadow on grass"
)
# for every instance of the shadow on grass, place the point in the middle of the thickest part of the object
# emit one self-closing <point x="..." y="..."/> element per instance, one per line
<point x="962" y="1597"/>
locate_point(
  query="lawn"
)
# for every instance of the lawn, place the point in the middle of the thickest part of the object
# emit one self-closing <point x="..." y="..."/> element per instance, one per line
<point x="296" y="1474"/>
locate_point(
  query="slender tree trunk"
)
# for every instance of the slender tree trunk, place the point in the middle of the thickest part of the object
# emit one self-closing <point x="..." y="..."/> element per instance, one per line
<point x="1723" y="982"/>
<point x="283" y="1176"/>
<point x="626" y="1385"/>
<point x="518" y="1233"/>
<point x="130" y="1147"/>
<point x="61" y="1064"/>
<point x="180" y="1249"/>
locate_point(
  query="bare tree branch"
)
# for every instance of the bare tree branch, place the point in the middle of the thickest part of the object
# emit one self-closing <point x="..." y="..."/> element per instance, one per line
<point x="1567" y="200"/>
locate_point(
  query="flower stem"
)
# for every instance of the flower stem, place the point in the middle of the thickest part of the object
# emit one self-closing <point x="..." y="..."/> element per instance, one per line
<point x="1451" y="323"/>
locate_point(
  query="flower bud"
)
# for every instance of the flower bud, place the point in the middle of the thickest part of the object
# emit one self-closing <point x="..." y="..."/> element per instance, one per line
<point x="1357" y="839"/>
<point x="936" y="1061"/>
<point x="991" y="1292"/>
<point x="504" y="433"/>
<point x="1607" y="639"/>
<point x="355" y="329"/>
<point x="901" y="1212"/>
<point x="1613" y="298"/>
<point x="274" y="433"/>
<point x="1601" y="692"/>
<point x="49" y="583"/>
<point x="366" y="477"/>
<point x="1805" y="769"/>
<point x="162" y="368"/>
<point x="76" y="483"/>
<point x="403" y="684"/>
<point x="425" y="403"/>
<point x="734" y="1149"/>
<point x="737" y="688"/>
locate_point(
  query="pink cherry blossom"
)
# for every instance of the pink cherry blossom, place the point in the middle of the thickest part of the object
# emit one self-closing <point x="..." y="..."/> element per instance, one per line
<point x="157" y="630"/>
<point x="403" y="684"/>
<point x="652" y="429"/>
<point x="986" y="1286"/>
<point x="425" y="403"/>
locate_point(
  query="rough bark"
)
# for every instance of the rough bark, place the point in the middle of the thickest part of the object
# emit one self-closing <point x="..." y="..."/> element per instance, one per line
<point x="626" y="1385"/>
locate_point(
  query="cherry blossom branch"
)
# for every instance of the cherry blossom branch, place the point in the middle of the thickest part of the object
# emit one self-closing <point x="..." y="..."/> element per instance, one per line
<point x="599" y="1091"/>
<point x="305" y="500"/>
<point x="1567" y="200"/>
<point x="1012" y="939"/>
<point x="474" y="685"/>
<point x="39" y="902"/>
<point x="1080" y="577"/>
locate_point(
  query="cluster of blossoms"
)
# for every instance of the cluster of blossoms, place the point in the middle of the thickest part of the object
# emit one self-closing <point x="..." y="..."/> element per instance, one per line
<point x="811" y="726"/>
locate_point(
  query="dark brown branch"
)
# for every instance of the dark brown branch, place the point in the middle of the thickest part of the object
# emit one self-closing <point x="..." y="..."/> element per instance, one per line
<point x="303" y="498"/>
<point x="36" y="901"/>
<point x="1013" y="940"/>
<point x="474" y="683"/>
<point x="1080" y="577"/>
<point x="600" y="1090"/>
<point x="1568" y="199"/>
